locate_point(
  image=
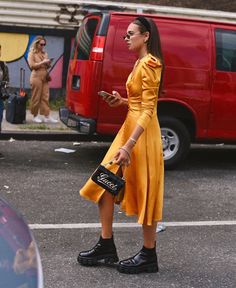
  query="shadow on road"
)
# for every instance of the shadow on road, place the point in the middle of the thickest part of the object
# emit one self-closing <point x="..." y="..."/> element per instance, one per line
<point x="210" y="157"/>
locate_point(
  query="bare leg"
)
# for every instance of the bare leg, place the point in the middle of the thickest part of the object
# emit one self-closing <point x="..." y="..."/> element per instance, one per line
<point x="149" y="235"/>
<point x="106" y="209"/>
<point x="105" y="249"/>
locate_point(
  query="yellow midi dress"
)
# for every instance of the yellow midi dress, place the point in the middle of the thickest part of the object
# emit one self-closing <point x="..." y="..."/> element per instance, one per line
<point x="143" y="195"/>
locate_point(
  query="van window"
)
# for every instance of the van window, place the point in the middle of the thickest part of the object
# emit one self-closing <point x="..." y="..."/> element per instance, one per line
<point x="85" y="37"/>
<point x="225" y="50"/>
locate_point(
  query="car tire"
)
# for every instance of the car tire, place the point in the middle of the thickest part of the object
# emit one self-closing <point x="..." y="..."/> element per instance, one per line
<point x="175" y="140"/>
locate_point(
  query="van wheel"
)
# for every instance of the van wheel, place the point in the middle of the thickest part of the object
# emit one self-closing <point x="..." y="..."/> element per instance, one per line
<point x="175" y="141"/>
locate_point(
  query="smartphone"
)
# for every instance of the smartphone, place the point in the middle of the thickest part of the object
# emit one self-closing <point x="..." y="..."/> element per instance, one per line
<point x="105" y="94"/>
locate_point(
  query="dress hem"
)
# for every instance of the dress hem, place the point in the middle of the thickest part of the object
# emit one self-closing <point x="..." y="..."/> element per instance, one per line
<point x="129" y="214"/>
<point x="134" y="214"/>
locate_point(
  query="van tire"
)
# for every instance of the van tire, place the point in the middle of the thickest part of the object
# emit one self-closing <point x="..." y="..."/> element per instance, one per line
<point x="176" y="141"/>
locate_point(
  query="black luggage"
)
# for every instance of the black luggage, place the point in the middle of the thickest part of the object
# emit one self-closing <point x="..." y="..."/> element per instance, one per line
<point x="16" y="109"/>
<point x="16" y="103"/>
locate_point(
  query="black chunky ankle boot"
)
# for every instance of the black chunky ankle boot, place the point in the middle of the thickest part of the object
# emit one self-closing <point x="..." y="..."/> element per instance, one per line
<point x="144" y="261"/>
<point x="103" y="252"/>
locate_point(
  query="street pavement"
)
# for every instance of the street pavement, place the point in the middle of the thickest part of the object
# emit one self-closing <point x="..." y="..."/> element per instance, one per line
<point x="197" y="249"/>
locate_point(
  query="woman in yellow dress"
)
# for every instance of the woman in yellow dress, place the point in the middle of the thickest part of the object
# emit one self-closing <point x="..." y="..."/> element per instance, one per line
<point x="137" y="148"/>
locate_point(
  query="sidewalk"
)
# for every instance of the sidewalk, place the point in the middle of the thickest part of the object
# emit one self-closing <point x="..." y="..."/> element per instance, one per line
<point x="45" y="131"/>
<point x="30" y="126"/>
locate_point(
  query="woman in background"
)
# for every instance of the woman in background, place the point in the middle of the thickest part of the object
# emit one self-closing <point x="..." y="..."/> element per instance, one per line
<point x="39" y="63"/>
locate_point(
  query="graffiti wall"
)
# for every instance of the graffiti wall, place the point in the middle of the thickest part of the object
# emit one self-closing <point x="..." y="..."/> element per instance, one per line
<point x="15" y="49"/>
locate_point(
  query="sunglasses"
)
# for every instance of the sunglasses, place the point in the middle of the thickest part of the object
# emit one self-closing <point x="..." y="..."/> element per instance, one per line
<point x="128" y="36"/>
<point x="42" y="44"/>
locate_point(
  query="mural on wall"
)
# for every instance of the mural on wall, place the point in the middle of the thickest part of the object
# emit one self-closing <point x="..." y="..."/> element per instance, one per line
<point x="15" y="48"/>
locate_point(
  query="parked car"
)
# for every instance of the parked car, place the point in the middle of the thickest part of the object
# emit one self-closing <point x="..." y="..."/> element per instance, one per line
<point x="20" y="264"/>
<point x="197" y="102"/>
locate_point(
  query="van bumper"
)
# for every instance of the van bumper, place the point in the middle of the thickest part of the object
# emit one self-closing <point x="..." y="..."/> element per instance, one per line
<point x="73" y="121"/>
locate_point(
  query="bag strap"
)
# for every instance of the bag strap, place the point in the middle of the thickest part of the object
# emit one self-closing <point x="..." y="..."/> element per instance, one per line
<point x="111" y="162"/>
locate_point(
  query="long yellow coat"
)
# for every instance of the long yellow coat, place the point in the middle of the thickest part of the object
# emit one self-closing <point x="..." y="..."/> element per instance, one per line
<point x="144" y="177"/>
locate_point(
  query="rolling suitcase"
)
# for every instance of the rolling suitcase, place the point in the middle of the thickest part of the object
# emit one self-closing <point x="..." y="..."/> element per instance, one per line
<point x="16" y="103"/>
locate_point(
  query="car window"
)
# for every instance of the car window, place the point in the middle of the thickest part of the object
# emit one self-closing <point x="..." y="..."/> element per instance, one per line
<point x="225" y="50"/>
<point x="85" y="37"/>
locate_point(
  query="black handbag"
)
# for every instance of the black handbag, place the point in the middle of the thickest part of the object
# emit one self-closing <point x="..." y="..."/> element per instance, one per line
<point x="108" y="180"/>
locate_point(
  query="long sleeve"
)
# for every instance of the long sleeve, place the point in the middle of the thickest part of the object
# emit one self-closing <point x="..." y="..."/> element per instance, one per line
<point x="31" y="60"/>
<point x="35" y="59"/>
<point x="5" y="71"/>
<point x="6" y="76"/>
<point x="151" y="75"/>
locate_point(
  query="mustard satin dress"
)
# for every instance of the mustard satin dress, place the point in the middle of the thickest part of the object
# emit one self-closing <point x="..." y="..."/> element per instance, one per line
<point x="144" y="177"/>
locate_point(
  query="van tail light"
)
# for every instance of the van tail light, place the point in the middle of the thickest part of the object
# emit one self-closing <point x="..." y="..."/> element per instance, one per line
<point x="98" y="48"/>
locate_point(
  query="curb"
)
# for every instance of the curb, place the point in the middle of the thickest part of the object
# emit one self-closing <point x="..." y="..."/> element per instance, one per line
<point x="53" y="136"/>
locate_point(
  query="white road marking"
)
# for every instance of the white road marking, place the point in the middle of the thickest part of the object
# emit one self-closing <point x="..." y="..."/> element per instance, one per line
<point x="130" y="225"/>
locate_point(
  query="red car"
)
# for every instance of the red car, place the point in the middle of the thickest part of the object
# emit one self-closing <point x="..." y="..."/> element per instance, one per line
<point x="198" y="100"/>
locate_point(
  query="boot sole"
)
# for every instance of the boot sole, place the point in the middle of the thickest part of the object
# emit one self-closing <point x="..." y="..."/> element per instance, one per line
<point x="151" y="268"/>
<point x="108" y="259"/>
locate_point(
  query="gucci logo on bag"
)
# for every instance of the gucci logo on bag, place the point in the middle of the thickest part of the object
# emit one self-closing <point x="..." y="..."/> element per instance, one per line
<point x="104" y="179"/>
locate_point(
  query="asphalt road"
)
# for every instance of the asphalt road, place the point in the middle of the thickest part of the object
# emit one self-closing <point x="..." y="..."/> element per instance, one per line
<point x="197" y="249"/>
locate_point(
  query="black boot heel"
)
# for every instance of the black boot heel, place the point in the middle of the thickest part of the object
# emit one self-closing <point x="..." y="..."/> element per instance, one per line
<point x="104" y="252"/>
<point x="86" y="261"/>
<point x="153" y="268"/>
<point x="144" y="261"/>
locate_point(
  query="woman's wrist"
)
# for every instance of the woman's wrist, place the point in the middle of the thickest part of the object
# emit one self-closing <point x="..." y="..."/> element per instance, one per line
<point x="124" y="101"/>
<point x="130" y="143"/>
<point x="133" y="141"/>
<point x="126" y="150"/>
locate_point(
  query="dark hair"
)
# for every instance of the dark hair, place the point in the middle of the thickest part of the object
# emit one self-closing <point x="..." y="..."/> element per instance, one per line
<point x="144" y="22"/>
<point x="154" y="41"/>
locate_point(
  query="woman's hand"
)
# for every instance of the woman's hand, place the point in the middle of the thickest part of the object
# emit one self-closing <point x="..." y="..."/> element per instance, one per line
<point x="46" y="61"/>
<point x="123" y="156"/>
<point x="115" y="100"/>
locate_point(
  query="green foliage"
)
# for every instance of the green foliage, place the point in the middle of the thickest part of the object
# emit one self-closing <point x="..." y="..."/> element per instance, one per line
<point x="57" y="103"/>
<point x="33" y="127"/>
<point x="54" y="104"/>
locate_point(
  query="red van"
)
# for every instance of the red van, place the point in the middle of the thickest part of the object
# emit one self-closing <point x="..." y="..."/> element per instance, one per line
<point x="198" y="100"/>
